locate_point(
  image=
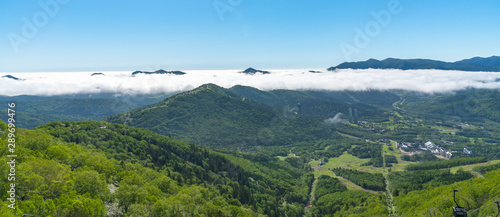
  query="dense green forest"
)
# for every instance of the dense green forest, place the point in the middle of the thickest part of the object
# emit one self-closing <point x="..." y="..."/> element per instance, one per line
<point x="245" y="152"/>
<point x="33" y="111"/>
<point x="477" y="196"/>
<point x="350" y="203"/>
<point x="193" y="163"/>
<point x="56" y="178"/>
<point x="327" y="185"/>
<point x="468" y="105"/>
<point x="445" y="164"/>
<point x="403" y="182"/>
<point x="139" y="164"/>
<point x="245" y="116"/>
<point x="212" y="116"/>
<point x="372" y="181"/>
<point x="372" y="151"/>
<point x="31" y="114"/>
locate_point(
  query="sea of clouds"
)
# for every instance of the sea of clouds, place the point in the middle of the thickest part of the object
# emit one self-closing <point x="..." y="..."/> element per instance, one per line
<point x="429" y="81"/>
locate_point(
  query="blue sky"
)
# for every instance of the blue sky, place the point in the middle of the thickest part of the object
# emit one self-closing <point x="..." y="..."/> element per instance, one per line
<point x="91" y="35"/>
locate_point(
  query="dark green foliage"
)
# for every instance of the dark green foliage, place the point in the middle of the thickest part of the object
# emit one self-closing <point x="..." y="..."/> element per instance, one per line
<point x="372" y="181"/>
<point x="376" y="162"/>
<point x="31" y="114"/>
<point x="208" y="115"/>
<point x="478" y="196"/>
<point x="446" y="163"/>
<point x="161" y="176"/>
<point x="403" y="182"/>
<point x="347" y="203"/>
<point x="32" y="120"/>
<point x="468" y="105"/>
<point x="309" y="180"/>
<point x="485" y="169"/>
<point x="368" y="150"/>
<point x="327" y="185"/>
<point x="33" y="111"/>
<point x="187" y="164"/>
<point x="320" y="103"/>
<point x="242" y="116"/>
<point x="91" y="108"/>
<point x="65" y="179"/>
<point x="353" y="130"/>
<point x="390" y="159"/>
<point x="327" y="148"/>
<point x="295" y="162"/>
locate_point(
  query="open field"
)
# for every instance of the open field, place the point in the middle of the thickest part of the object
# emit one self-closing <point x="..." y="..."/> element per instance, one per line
<point x="348" y="161"/>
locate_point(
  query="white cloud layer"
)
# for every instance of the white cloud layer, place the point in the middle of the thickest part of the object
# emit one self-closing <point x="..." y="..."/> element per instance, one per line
<point x="429" y="81"/>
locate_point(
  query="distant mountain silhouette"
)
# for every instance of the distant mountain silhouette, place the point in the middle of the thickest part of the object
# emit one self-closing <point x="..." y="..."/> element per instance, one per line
<point x="490" y="61"/>
<point x="491" y="64"/>
<point x="160" y="72"/>
<point x="252" y="71"/>
<point x="12" y="77"/>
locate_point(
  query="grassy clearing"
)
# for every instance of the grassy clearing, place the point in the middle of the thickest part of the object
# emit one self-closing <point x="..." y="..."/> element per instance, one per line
<point x="285" y="157"/>
<point x="350" y="185"/>
<point x="442" y="129"/>
<point x="348" y="161"/>
<point x="471" y="166"/>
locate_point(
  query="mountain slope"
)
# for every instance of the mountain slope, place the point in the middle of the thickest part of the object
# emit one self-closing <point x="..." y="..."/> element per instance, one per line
<point x="208" y="115"/>
<point x="232" y="177"/>
<point x="321" y="103"/>
<point x="244" y="116"/>
<point x="477" y="196"/>
<point x="56" y="177"/>
<point x="474" y="64"/>
<point x="466" y="104"/>
<point x="33" y="111"/>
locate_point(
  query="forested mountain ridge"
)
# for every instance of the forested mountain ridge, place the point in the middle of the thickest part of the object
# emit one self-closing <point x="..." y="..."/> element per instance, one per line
<point x="245" y="116"/>
<point x="314" y="101"/>
<point x="33" y="111"/>
<point x="473" y="64"/>
<point x="471" y="104"/>
<point x="126" y="157"/>
<point x="208" y="115"/>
